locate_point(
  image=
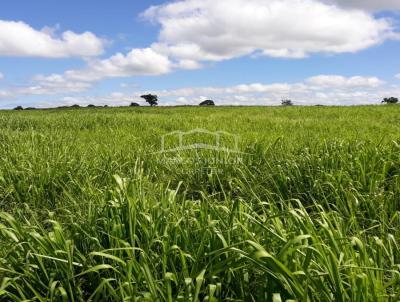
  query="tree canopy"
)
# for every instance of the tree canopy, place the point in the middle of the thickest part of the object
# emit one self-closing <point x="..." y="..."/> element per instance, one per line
<point x="390" y="100"/>
<point x="207" y="103"/>
<point x="152" y="99"/>
<point x="287" y="103"/>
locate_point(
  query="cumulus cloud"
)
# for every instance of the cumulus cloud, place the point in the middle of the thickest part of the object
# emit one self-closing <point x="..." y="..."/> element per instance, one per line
<point x="318" y="87"/>
<point x="313" y="85"/>
<point x="334" y="81"/>
<point x="370" y="5"/>
<point x="193" y="32"/>
<point x="276" y="88"/>
<point x="211" y="30"/>
<point x="323" y="89"/>
<point x="20" y="39"/>
<point x="54" y="84"/>
<point x="138" y="62"/>
<point x="51" y="85"/>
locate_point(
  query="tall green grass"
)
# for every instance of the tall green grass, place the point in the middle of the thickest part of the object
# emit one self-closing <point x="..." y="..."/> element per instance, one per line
<point x="91" y="213"/>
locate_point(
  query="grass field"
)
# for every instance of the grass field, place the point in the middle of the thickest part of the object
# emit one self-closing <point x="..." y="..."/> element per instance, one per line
<point x="310" y="211"/>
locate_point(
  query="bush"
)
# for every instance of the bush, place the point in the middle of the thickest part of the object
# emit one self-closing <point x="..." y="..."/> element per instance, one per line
<point x="207" y="103"/>
<point x="287" y="103"/>
<point x="390" y="100"/>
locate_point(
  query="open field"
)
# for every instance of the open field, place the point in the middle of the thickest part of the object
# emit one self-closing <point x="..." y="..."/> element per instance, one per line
<point x="309" y="212"/>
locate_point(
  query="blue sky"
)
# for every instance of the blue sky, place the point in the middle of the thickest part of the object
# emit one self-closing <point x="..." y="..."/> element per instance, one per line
<point x="237" y="52"/>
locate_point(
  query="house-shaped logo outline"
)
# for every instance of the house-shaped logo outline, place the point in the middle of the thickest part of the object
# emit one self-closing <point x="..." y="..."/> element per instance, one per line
<point x="216" y="147"/>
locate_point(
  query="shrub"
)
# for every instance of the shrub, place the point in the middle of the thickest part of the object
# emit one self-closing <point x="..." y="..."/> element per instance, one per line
<point x="207" y="103"/>
<point x="287" y="103"/>
<point x="390" y="100"/>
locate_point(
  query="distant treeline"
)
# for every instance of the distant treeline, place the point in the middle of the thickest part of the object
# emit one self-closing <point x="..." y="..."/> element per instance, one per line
<point x="152" y="100"/>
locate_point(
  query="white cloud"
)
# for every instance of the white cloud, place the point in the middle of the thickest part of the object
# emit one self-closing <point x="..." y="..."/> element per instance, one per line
<point x="51" y="85"/>
<point x="324" y="89"/>
<point x="195" y="31"/>
<point x="1" y="76"/>
<point x="397" y="76"/>
<point x="4" y="94"/>
<point x="371" y="5"/>
<point x="129" y="85"/>
<point x="54" y="84"/>
<point x="334" y="81"/>
<point x="138" y="62"/>
<point x="314" y="88"/>
<point x="327" y="83"/>
<point x="210" y="30"/>
<point x="188" y="65"/>
<point x="20" y="39"/>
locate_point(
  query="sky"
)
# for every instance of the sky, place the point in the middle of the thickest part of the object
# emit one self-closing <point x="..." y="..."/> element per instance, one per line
<point x="236" y="52"/>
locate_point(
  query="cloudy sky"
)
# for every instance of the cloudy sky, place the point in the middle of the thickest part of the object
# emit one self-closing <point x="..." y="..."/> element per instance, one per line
<point x="237" y="52"/>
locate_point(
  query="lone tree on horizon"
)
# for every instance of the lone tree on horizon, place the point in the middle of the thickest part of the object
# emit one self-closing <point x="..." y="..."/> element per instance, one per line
<point x="390" y="100"/>
<point x="152" y="99"/>
<point x="207" y="103"/>
<point x="287" y="103"/>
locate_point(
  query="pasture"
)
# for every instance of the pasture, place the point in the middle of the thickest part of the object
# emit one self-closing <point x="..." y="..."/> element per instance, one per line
<point x="309" y="211"/>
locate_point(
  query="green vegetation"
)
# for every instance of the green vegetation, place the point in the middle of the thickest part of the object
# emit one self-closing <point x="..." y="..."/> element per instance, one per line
<point x="90" y="212"/>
